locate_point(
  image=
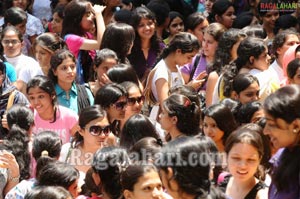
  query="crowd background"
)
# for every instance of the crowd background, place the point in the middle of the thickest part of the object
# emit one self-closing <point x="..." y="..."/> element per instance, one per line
<point x="138" y="99"/>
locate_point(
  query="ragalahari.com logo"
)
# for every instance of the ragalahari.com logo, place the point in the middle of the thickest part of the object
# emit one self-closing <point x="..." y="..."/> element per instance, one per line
<point x="280" y="6"/>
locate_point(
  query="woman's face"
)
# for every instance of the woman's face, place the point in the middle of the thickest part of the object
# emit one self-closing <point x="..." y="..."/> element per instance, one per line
<point x="199" y="30"/>
<point x="66" y="72"/>
<point x="87" y="21"/>
<point x="166" y="121"/>
<point x="250" y="94"/>
<point x="281" y="133"/>
<point x="135" y="102"/>
<point x="146" y="28"/>
<point x="104" y="67"/>
<point x="56" y="23"/>
<point x="242" y="161"/>
<point x="21" y="4"/>
<point x="184" y="58"/>
<point x="116" y="111"/>
<point x="41" y="101"/>
<point x="43" y="56"/>
<point x="176" y="26"/>
<point x="227" y="18"/>
<point x="148" y="186"/>
<point x="257" y="116"/>
<point x="209" y="45"/>
<point x="96" y="132"/>
<point x="296" y="78"/>
<point x="270" y="18"/>
<point x="212" y="130"/>
<point x="208" y="5"/>
<point x="262" y="62"/>
<point x="11" y="43"/>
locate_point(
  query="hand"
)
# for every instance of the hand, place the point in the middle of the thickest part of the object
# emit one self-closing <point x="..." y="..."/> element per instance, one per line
<point x="4" y="121"/>
<point x="198" y="81"/>
<point x="97" y="9"/>
<point x="8" y="161"/>
<point x="104" y="79"/>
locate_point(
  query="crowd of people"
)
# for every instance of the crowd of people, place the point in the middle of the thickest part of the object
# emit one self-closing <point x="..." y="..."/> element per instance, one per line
<point x="138" y="99"/>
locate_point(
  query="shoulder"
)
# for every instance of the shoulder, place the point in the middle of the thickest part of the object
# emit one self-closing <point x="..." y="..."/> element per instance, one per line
<point x="263" y="192"/>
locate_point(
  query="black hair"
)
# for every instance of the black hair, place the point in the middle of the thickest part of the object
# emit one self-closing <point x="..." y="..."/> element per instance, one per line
<point x="56" y="59"/>
<point x="135" y="128"/>
<point x="87" y="114"/>
<point x="246" y="111"/>
<point x="45" y="84"/>
<point x="192" y="179"/>
<point x="193" y="20"/>
<point x="187" y="113"/>
<point x="146" y="149"/>
<point x="280" y="39"/>
<point x="121" y="73"/>
<point x="14" y="16"/>
<point x="21" y="116"/>
<point x="118" y="37"/>
<point x="108" y="163"/>
<point x="161" y="10"/>
<point x="292" y="68"/>
<point x="49" y="192"/>
<point x="223" y="117"/>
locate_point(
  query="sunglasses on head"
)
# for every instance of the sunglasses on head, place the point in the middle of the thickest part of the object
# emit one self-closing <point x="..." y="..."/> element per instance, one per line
<point x="133" y="100"/>
<point x="120" y="105"/>
<point x="97" y="130"/>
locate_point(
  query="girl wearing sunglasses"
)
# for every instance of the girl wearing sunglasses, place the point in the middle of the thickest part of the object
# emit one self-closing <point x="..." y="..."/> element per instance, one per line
<point x="93" y="133"/>
<point x="113" y="98"/>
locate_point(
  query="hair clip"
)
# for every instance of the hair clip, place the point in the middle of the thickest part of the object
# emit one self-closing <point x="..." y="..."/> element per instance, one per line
<point x="44" y="153"/>
<point x="187" y="103"/>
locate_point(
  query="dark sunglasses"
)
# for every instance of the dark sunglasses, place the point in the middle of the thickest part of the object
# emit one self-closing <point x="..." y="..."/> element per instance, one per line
<point x="97" y="130"/>
<point x="120" y="105"/>
<point x="133" y="100"/>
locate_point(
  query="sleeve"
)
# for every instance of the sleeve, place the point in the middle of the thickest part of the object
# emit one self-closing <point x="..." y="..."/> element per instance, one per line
<point x="11" y="72"/>
<point x="74" y="43"/>
<point x="31" y="70"/>
<point x="20" y="98"/>
<point x="34" y="26"/>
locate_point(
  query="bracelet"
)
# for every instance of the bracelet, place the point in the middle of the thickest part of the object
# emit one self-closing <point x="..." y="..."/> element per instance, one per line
<point x="14" y="179"/>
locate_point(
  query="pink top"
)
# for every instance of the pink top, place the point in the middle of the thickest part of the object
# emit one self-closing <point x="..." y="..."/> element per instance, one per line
<point x="66" y="119"/>
<point x="74" y="43"/>
<point x="288" y="56"/>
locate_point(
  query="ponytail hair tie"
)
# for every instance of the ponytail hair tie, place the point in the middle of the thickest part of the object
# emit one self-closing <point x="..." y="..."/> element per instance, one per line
<point x="187" y="103"/>
<point x="159" y="142"/>
<point x="44" y="153"/>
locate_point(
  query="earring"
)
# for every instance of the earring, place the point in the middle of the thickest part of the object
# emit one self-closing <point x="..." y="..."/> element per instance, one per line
<point x="295" y="131"/>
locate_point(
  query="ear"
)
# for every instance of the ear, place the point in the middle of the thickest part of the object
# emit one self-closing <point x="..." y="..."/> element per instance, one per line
<point x="296" y="126"/>
<point x="127" y="194"/>
<point x="218" y="18"/>
<point x="234" y="95"/>
<point x="170" y="173"/>
<point x="80" y="131"/>
<point x="174" y="119"/>
<point x="290" y="81"/>
<point x="178" y="51"/>
<point x="251" y="59"/>
<point x="279" y="51"/>
<point x="54" y="72"/>
<point x="94" y="68"/>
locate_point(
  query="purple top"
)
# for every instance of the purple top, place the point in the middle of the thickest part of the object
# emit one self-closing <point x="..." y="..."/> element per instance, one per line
<point x="139" y="62"/>
<point x="202" y="66"/>
<point x="293" y="192"/>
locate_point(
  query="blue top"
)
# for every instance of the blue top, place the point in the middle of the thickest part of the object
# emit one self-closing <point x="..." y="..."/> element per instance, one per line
<point x="10" y="72"/>
<point x="71" y="100"/>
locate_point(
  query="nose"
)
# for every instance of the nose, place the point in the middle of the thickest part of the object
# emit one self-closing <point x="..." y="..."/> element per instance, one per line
<point x="156" y="193"/>
<point x="233" y="17"/>
<point x="266" y="130"/>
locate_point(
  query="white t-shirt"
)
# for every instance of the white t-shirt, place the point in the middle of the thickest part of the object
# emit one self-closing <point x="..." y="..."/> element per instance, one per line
<point x="278" y="70"/>
<point x="26" y="67"/>
<point x="162" y="72"/>
<point x="41" y="9"/>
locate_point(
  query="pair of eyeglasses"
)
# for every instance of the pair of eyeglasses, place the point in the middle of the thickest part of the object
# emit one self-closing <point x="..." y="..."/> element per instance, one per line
<point x="120" y="105"/>
<point x="133" y="100"/>
<point x="96" y="130"/>
<point x="13" y="42"/>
